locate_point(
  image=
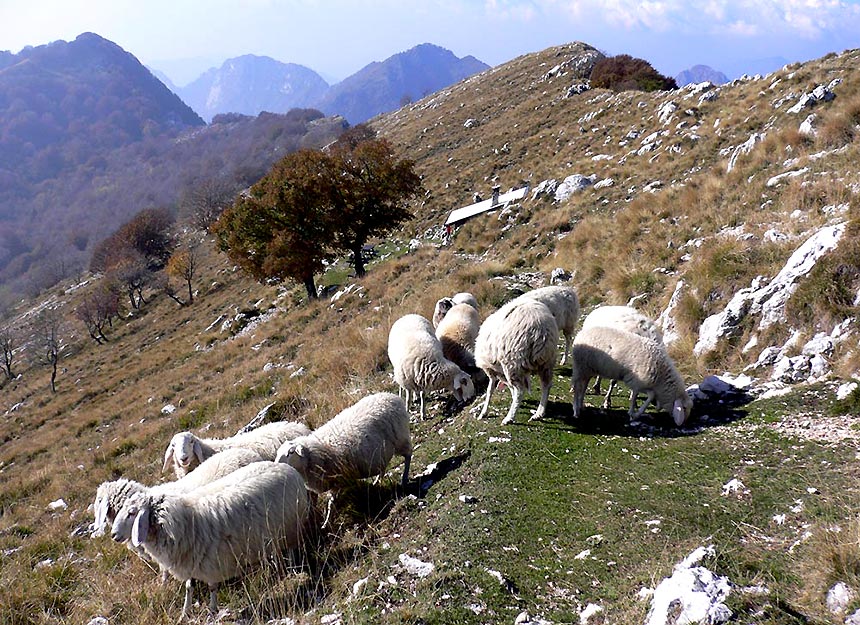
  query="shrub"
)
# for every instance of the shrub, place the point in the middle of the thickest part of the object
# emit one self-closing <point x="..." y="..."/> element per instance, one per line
<point x="627" y="73"/>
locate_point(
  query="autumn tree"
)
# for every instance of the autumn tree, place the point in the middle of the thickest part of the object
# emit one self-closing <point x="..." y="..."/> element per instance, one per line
<point x="182" y="265"/>
<point x="282" y="229"/>
<point x="371" y="190"/>
<point x="624" y="72"/>
<point x="147" y="234"/>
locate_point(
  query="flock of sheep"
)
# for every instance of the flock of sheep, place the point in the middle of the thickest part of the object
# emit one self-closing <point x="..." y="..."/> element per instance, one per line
<point x="238" y="500"/>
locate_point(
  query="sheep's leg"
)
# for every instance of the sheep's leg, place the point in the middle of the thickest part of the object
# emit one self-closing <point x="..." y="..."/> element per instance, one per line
<point x="545" y="385"/>
<point x="213" y="598"/>
<point x="186" y="605"/>
<point x="490" y="388"/>
<point x="607" y="401"/>
<point x="516" y="394"/>
<point x="567" y="340"/>
<point x="421" y="399"/>
<point x="579" y="388"/>
<point x="407" y="459"/>
<point x="649" y="397"/>
<point x="596" y="388"/>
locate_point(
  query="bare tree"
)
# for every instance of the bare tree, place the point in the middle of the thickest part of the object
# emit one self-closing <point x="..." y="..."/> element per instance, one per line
<point x="8" y="343"/>
<point x="204" y="202"/>
<point x="98" y="308"/>
<point x="48" y="341"/>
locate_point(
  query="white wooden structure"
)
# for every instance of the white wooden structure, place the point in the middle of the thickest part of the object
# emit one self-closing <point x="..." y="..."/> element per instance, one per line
<point x="460" y="215"/>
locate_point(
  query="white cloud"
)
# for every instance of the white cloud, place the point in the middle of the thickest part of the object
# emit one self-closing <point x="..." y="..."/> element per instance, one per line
<point x="511" y="9"/>
<point x="810" y="19"/>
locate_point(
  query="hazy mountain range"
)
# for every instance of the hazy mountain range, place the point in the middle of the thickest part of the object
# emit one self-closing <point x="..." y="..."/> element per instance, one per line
<point x="250" y="84"/>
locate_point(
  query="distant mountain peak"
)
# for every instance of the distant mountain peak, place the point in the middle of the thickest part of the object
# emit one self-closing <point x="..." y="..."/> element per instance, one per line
<point x="700" y="73"/>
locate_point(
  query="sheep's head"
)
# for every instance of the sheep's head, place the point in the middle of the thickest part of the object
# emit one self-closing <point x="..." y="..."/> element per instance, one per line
<point x="183" y="450"/>
<point x="463" y="387"/>
<point x="126" y="520"/>
<point x="294" y="454"/>
<point x="442" y="307"/>
<point x="681" y="409"/>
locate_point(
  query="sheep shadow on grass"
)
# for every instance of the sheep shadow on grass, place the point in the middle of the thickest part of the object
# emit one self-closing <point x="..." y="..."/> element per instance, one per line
<point x="616" y="421"/>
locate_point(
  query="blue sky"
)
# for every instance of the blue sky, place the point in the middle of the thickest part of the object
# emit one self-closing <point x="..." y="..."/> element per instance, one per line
<point x="183" y="38"/>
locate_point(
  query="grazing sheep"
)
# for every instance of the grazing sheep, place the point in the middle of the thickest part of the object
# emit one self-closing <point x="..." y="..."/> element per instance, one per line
<point x="216" y="531"/>
<point x="420" y="364"/>
<point x="564" y="306"/>
<point x="516" y="341"/>
<point x="187" y="450"/>
<point x="110" y="496"/>
<point x="358" y="442"/>
<point x="620" y="318"/>
<point x="446" y="303"/>
<point x="465" y="298"/>
<point x="641" y="363"/>
<point x="457" y="333"/>
<point x="441" y="309"/>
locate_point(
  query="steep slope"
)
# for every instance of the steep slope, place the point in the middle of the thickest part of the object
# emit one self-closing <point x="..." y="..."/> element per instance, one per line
<point x="251" y="84"/>
<point x="386" y="85"/>
<point x="556" y="520"/>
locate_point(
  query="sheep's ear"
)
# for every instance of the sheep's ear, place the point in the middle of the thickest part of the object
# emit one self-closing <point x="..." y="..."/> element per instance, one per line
<point x="168" y="456"/>
<point x="101" y="510"/>
<point x="198" y="451"/>
<point x="679" y="413"/>
<point x="140" y="529"/>
<point x="299" y="450"/>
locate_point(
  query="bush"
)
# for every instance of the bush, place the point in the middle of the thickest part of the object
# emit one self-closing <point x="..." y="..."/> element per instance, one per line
<point x="627" y="73"/>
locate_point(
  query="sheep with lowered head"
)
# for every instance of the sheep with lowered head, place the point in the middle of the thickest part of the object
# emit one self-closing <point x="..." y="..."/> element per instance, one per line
<point x="110" y="496"/>
<point x="446" y="303"/>
<point x="516" y="341"/>
<point x="356" y="443"/>
<point x="641" y="363"/>
<point x="564" y="306"/>
<point x="621" y="318"/>
<point x="186" y="450"/>
<point x="419" y="363"/>
<point x="213" y="533"/>
<point x="457" y="333"/>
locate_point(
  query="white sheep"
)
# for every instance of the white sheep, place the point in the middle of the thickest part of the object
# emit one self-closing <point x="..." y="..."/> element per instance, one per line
<point x="356" y="443"/>
<point x="215" y="532"/>
<point x="516" y="341"/>
<point x="564" y="306"/>
<point x="446" y="303"/>
<point x="441" y="309"/>
<point x="186" y="450"/>
<point x="457" y="333"/>
<point x="419" y="363"/>
<point x="110" y="496"/>
<point x="641" y="363"/>
<point x="621" y="318"/>
<point x="465" y="298"/>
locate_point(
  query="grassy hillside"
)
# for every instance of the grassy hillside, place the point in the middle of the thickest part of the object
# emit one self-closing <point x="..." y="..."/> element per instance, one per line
<point x="541" y="517"/>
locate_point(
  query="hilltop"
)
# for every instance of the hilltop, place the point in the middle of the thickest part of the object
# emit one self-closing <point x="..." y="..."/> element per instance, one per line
<point x="563" y="520"/>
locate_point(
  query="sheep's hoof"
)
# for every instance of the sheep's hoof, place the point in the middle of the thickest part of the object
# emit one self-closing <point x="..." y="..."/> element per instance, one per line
<point x="507" y="420"/>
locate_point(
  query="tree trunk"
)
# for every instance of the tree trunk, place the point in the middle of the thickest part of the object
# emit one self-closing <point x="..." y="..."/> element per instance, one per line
<point x="358" y="261"/>
<point x="311" y="288"/>
<point x="190" y="293"/>
<point x="54" y="377"/>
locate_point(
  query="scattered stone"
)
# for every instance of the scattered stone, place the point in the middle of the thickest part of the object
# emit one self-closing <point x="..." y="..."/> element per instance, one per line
<point x="605" y="183"/>
<point x="735" y="487"/>
<point x="331" y="619"/>
<point x="693" y="594"/>
<point x="573" y="184"/>
<point x="415" y="567"/>
<point x="744" y="148"/>
<point x="58" y="506"/>
<point x="298" y="373"/>
<point x="545" y="189"/>
<point x="576" y="89"/>
<point x="470" y="123"/>
<point x="838" y="598"/>
<point x="807" y="126"/>
<point x="775" y="180"/>
<point x="358" y="586"/>
<point x="590" y="610"/>
<point x="98" y="620"/>
<point x="666" y="112"/>
<point x="817" y="95"/>
<point x="854" y="619"/>
<point x="666" y="320"/>
<point x="168" y="409"/>
<point x="559" y="275"/>
<point x="845" y="390"/>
